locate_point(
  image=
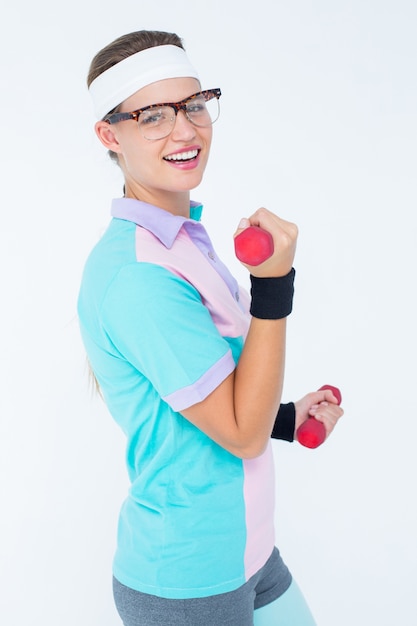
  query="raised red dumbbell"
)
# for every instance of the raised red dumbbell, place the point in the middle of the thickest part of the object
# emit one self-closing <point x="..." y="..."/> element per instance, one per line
<point x="312" y="433"/>
<point x="254" y="245"/>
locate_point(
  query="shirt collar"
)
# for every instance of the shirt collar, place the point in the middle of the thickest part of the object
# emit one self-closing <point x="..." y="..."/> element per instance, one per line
<point x="159" y="222"/>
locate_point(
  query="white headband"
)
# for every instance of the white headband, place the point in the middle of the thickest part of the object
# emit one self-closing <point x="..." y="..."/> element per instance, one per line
<point x="143" y="68"/>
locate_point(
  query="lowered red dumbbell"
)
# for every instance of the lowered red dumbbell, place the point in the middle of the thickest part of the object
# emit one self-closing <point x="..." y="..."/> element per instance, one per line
<point x="254" y="245"/>
<point x="312" y="433"/>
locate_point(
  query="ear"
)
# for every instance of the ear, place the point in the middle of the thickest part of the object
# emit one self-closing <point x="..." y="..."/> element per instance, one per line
<point x="105" y="133"/>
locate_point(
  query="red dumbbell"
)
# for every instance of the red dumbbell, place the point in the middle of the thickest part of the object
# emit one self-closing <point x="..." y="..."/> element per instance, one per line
<point x="254" y="245"/>
<point x="312" y="433"/>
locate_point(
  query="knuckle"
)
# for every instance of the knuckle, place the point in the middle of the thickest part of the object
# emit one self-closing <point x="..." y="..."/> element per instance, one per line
<point x="293" y="229"/>
<point x="262" y="212"/>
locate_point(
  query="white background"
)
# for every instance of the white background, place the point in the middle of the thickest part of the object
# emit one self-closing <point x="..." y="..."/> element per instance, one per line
<point x="318" y="124"/>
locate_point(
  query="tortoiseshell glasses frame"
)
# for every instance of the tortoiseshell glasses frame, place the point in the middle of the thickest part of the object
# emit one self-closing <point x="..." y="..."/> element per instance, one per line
<point x="156" y="121"/>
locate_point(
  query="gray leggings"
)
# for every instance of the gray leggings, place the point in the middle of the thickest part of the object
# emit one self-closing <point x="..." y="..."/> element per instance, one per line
<point x="235" y="608"/>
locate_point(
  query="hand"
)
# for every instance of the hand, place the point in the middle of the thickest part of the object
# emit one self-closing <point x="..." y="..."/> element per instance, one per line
<point x="284" y="235"/>
<point x="322" y="405"/>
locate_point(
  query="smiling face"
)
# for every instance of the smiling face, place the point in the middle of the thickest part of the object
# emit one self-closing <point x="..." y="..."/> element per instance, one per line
<point x="160" y="172"/>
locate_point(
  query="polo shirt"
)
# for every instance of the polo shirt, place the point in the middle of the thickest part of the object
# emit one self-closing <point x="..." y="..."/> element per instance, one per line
<point x="164" y="322"/>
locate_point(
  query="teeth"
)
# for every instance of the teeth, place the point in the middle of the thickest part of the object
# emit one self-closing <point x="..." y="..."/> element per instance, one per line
<point x="182" y="156"/>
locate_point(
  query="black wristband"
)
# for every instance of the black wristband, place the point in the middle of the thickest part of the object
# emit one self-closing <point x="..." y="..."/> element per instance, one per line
<point x="272" y="297"/>
<point x="284" y="426"/>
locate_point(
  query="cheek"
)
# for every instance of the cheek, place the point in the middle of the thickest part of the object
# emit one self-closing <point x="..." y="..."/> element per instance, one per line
<point x="209" y="136"/>
<point x="206" y="137"/>
<point x="138" y="167"/>
<point x="135" y="156"/>
<point x="128" y="138"/>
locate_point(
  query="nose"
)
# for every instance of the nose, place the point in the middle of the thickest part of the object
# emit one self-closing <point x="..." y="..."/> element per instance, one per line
<point x="183" y="128"/>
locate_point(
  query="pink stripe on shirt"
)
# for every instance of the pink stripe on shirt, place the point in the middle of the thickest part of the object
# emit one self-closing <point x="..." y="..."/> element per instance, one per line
<point x="187" y="261"/>
<point x="259" y="494"/>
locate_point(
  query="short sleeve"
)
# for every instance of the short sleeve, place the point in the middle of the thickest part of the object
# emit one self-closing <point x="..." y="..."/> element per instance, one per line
<point x="157" y="322"/>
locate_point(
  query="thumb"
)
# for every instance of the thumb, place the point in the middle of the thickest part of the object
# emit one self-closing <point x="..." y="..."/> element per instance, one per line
<point x="243" y="224"/>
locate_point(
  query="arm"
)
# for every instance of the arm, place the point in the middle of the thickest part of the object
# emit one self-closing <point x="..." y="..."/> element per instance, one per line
<point x="240" y="413"/>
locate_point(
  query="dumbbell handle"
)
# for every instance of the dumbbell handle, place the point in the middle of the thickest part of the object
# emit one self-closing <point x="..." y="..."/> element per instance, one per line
<point x="312" y="433"/>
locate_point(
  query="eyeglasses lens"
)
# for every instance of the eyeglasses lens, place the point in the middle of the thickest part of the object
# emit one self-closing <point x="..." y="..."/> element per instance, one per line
<point x="158" y="122"/>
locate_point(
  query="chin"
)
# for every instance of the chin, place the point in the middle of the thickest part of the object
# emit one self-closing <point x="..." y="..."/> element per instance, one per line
<point x="189" y="183"/>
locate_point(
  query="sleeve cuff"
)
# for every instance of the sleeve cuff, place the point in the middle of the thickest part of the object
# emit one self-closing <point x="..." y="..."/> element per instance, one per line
<point x="200" y="389"/>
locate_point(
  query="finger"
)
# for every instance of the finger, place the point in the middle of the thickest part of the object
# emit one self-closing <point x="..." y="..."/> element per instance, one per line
<point x="330" y="397"/>
<point x="243" y="224"/>
<point x="270" y="221"/>
<point x="332" y="413"/>
<point x="324" y="395"/>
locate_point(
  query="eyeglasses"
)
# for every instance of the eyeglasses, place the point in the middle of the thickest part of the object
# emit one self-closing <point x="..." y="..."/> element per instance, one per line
<point x="156" y="121"/>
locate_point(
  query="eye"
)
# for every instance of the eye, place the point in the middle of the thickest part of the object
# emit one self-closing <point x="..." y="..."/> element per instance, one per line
<point x="153" y="117"/>
<point x="198" y="105"/>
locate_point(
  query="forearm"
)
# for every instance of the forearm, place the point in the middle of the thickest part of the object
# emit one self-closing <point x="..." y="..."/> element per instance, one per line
<point x="258" y="383"/>
<point x="240" y="413"/>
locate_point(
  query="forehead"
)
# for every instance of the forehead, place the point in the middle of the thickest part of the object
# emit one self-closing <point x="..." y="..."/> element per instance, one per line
<point x="167" y="90"/>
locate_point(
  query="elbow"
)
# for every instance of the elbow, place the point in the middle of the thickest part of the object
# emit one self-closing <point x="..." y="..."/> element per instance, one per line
<point x="252" y="450"/>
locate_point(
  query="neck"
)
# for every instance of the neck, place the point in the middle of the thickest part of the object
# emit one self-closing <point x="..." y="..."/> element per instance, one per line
<point x="177" y="203"/>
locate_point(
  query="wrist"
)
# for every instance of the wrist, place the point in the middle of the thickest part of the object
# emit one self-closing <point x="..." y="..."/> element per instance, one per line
<point x="272" y="298"/>
<point x="284" y="426"/>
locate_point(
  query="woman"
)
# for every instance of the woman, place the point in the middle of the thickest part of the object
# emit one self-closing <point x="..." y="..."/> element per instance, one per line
<point x="191" y="376"/>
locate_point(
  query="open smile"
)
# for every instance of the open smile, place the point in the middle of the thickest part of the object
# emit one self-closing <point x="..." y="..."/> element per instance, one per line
<point x="183" y="157"/>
